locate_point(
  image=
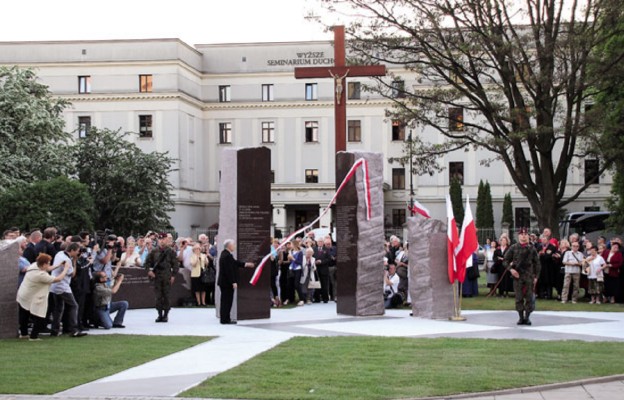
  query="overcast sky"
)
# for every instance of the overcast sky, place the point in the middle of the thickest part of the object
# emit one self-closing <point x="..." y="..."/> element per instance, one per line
<point x="194" y="21"/>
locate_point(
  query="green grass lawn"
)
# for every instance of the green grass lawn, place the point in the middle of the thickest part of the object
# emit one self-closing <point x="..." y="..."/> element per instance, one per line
<point x="57" y="364"/>
<point x="482" y="302"/>
<point x="386" y="368"/>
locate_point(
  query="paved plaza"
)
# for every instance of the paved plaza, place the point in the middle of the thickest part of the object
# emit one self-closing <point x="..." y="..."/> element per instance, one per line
<point x="235" y="344"/>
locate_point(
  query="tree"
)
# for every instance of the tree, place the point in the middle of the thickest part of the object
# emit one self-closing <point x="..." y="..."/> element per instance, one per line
<point x="130" y="188"/>
<point x="488" y="210"/>
<point x="31" y="130"/>
<point x="59" y="202"/>
<point x="480" y="220"/>
<point x="507" y="211"/>
<point x="608" y="114"/>
<point x="510" y="78"/>
<point x="455" y="191"/>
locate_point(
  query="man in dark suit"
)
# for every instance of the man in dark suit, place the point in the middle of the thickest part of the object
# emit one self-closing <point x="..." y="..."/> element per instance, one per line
<point x="228" y="279"/>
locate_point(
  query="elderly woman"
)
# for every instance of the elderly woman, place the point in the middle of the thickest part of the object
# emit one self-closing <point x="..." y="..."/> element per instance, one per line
<point x="491" y="273"/>
<point x="309" y="271"/>
<point x="199" y="262"/>
<point x="32" y="295"/>
<point x="506" y="284"/>
<point x="612" y="272"/>
<point x="130" y="257"/>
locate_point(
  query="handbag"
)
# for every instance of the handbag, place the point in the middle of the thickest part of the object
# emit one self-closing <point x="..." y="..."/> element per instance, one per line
<point x="473" y="273"/>
<point x="208" y="275"/>
<point x="314" y="281"/>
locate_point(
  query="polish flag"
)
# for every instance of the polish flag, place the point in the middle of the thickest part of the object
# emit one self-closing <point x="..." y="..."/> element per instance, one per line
<point x="468" y="243"/>
<point x="419" y="208"/>
<point x="452" y="240"/>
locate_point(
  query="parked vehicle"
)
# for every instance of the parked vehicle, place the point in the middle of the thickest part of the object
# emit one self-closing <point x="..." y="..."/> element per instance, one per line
<point x="588" y="224"/>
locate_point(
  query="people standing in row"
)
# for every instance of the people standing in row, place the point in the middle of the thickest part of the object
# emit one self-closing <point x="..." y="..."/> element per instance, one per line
<point x="32" y="295"/>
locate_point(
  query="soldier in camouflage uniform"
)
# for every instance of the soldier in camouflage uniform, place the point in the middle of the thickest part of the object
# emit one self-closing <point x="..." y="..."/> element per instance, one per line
<point x="163" y="265"/>
<point x="522" y="262"/>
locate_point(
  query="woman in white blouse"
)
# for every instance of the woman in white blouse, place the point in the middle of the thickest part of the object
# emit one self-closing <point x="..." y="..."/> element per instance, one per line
<point x="131" y="257"/>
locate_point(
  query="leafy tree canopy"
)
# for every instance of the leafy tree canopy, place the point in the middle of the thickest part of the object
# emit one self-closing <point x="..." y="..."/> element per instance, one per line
<point x="60" y="202"/>
<point x="32" y="136"/>
<point x="130" y="188"/>
<point x="512" y="78"/>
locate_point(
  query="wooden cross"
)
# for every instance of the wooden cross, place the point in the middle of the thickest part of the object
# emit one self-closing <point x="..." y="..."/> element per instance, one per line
<point x="339" y="72"/>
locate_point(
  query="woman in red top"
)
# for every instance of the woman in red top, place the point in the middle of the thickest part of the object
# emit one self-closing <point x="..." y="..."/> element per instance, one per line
<point x="612" y="272"/>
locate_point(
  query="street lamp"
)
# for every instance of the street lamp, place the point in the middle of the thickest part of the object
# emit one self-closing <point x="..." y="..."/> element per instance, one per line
<point x="411" y="150"/>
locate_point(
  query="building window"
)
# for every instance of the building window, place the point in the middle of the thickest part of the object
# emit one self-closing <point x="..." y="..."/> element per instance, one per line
<point x="267" y="92"/>
<point x="398" y="131"/>
<point x="225" y="94"/>
<point x="84" y="84"/>
<point x="145" y="126"/>
<point x="311" y="131"/>
<point x="523" y="217"/>
<point x="272" y="176"/>
<point x="398" y="217"/>
<point x="456" y="172"/>
<point x="84" y="124"/>
<point x="311" y="91"/>
<point x="311" y="176"/>
<point x="354" y="131"/>
<point x="398" y="178"/>
<point x="456" y="119"/>
<point x="145" y="83"/>
<point x="225" y="132"/>
<point x="398" y="89"/>
<point x="353" y="90"/>
<point x="268" y="132"/>
<point x="592" y="172"/>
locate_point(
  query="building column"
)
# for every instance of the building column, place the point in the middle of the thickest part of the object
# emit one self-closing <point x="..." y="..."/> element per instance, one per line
<point x="279" y="217"/>
<point x="325" y="222"/>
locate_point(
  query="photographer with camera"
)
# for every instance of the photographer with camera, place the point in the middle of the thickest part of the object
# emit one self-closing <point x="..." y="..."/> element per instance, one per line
<point x="64" y="300"/>
<point x="105" y="257"/>
<point x="104" y="306"/>
<point x="392" y="297"/>
<point x="32" y="295"/>
<point x="81" y="283"/>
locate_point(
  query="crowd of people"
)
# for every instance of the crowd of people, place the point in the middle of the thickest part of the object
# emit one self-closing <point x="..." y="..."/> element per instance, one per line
<point x="566" y="266"/>
<point x="66" y="284"/>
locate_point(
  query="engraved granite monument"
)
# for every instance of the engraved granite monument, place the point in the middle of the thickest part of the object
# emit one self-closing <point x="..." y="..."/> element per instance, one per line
<point x="245" y="217"/>
<point x="430" y="290"/>
<point x="360" y="254"/>
<point x="9" y="256"/>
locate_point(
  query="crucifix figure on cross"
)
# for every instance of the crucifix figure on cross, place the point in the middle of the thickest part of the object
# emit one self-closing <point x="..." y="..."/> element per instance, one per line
<point x="340" y="72"/>
<point x="338" y="84"/>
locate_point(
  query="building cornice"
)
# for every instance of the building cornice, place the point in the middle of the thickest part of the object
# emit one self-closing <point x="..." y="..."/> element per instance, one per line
<point x="205" y="106"/>
<point x="74" y="98"/>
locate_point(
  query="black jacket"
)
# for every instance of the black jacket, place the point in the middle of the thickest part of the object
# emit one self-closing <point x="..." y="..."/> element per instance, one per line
<point x="228" y="269"/>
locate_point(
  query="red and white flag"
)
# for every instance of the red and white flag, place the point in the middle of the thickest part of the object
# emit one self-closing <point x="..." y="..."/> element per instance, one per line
<point x="418" y="208"/>
<point x="452" y="240"/>
<point x="468" y="243"/>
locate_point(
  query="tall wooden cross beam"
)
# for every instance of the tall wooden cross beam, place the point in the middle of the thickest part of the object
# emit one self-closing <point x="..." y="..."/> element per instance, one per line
<point x="339" y="72"/>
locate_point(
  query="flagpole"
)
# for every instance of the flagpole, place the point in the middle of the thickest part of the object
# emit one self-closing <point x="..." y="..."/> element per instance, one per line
<point x="457" y="317"/>
<point x="411" y="147"/>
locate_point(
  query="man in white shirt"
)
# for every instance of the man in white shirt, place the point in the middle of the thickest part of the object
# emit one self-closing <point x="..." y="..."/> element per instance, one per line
<point x="572" y="260"/>
<point x="391" y="287"/>
<point x="186" y="252"/>
<point x="64" y="300"/>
